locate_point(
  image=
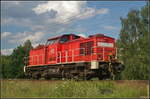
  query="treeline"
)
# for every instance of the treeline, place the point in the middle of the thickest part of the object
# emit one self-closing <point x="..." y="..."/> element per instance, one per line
<point x="133" y="49"/>
<point x="134" y="45"/>
<point x="12" y="65"/>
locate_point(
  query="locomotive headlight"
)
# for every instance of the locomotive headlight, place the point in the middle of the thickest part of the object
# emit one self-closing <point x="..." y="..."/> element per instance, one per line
<point x="104" y="44"/>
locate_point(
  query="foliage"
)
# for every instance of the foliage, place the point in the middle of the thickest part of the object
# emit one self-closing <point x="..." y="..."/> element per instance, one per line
<point x="12" y="66"/>
<point x="5" y="66"/>
<point x="134" y="44"/>
<point x="57" y="89"/>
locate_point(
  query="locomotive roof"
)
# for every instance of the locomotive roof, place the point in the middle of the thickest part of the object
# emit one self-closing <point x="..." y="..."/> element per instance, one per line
<point x="56" y="37"/>
<point x="96" y="35"/>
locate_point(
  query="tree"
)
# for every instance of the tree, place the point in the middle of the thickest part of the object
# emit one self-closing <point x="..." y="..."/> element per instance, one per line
<point x="18" y="58"/>
<point x="5" y="67"/>
<point x="134" y="44"/>
<point x="12" y="66"/>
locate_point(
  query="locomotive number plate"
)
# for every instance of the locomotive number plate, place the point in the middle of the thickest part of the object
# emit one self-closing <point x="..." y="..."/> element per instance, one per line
<point x="104" y="44"/>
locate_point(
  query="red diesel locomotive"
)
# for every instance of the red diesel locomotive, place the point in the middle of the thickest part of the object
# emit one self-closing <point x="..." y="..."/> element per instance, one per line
<point x="74" y="57"/>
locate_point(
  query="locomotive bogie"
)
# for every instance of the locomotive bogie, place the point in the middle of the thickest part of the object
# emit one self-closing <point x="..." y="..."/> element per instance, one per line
<point x="83" y="70"/>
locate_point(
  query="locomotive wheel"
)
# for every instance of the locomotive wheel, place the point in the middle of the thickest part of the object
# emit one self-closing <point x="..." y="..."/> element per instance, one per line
<point x="104" y="76"/>
<point x="36" y="75"/>
<point x="68" y="76"/>
<point x="77" y="78"/>
<point x="74" y="77"/>
<point x="45" y="76"/>
<point x="88" y="77"/>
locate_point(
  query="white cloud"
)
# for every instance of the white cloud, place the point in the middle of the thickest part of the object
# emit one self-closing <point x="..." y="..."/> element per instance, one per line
<point x="90" y="12"/>
<point x="63" y="9"/>
<point x="36" y="44"/>
<point x="22" y="37"/>
<point x="6" y="51"/>
<point x="35" y="37"/>
<point x="68" y="10"/>
<point x="5" y="34"/>
<point x="110" y="27"/>
<point x="83" y="35"/>
<point x="47" y="18"/>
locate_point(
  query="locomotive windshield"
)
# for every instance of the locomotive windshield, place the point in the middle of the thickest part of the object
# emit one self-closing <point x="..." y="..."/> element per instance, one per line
<point x="65" y="39"/>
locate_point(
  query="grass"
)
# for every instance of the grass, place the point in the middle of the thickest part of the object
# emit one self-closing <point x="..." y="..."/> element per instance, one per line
<point x="91" y="89"/>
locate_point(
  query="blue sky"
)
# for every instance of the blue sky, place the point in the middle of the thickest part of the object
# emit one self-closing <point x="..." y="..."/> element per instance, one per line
<point x="38" y="21"/>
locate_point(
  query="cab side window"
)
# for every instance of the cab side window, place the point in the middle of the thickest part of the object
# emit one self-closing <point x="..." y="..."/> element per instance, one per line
<point x="64" y="39"/>
<point x="76" y="37"/>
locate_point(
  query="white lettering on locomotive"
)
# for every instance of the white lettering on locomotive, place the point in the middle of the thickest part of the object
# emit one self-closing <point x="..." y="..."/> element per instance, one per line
<point x="103" y="44"/>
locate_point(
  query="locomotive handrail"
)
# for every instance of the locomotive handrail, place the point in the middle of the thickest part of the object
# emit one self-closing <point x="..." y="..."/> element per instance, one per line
<point x="36" y="60"/>
<point x="66" y="56"/>
<point x="92" y="48"/>
<point x="103" y="50"/>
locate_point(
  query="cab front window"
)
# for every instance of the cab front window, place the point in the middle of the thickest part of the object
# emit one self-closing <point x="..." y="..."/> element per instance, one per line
<point x="64" y="39"/>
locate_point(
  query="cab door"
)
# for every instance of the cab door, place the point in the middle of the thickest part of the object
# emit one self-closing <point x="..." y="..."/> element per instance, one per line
<point x="51" y="54"/>
<point x="62" y="52"/>
<point x="51" y="50"/>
